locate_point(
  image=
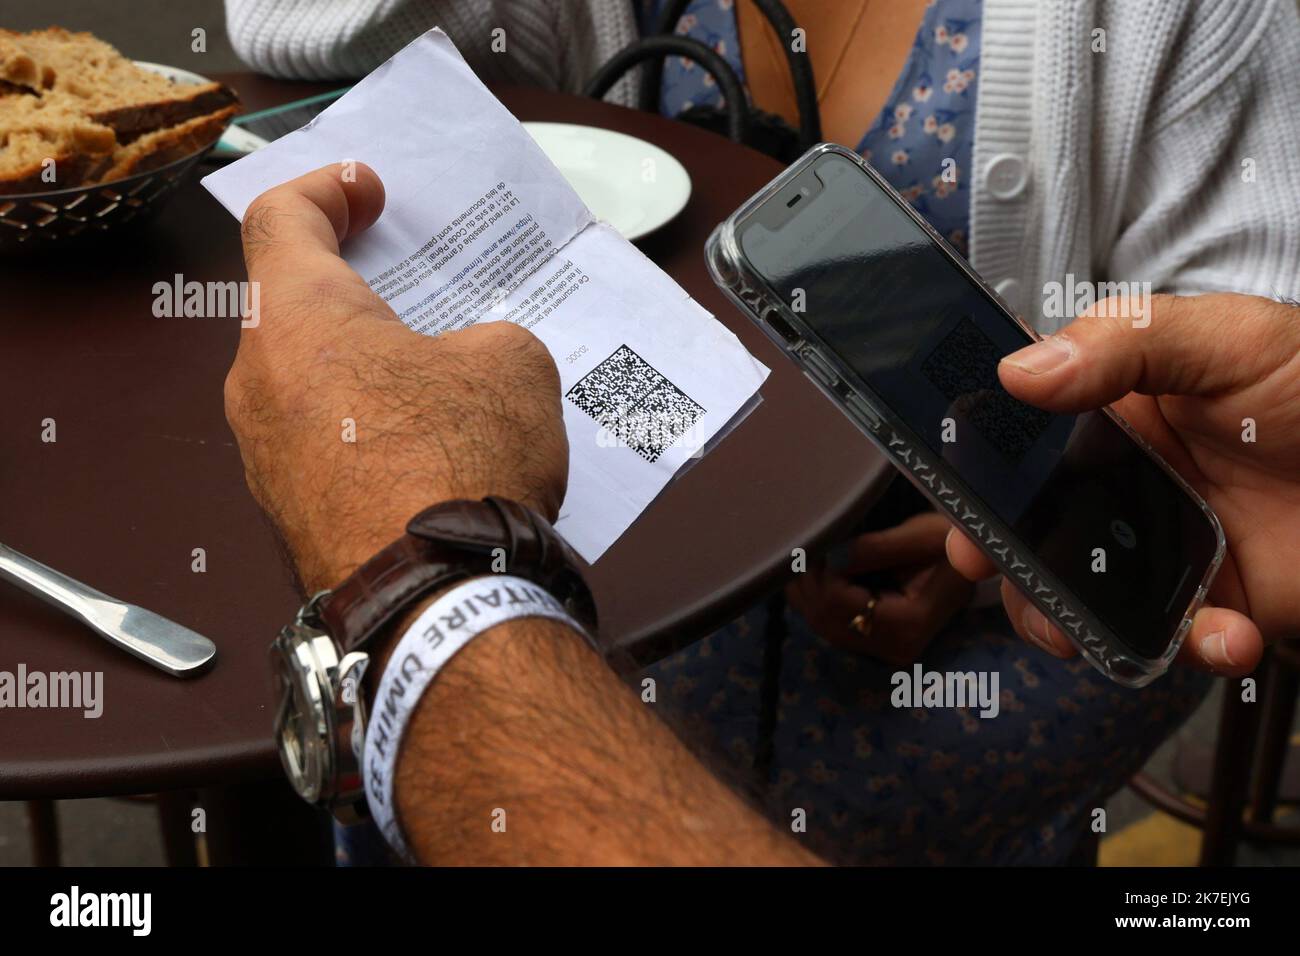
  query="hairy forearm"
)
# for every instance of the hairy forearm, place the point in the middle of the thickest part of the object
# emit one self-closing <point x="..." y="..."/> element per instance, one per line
<point x="528" y="749"/>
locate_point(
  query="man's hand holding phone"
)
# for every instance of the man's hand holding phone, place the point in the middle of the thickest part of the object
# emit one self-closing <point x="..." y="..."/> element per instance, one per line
<point x="903" y="337"/>
<point x="1212" y="384"/>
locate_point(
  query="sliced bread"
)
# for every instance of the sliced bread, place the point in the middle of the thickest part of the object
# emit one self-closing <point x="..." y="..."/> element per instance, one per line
<point x="157" y="149"/>
<point x="47" y="144"/>
<point x="19" y="70"/>
<point x="128" y="99"/>
<point x="74" y="112"/>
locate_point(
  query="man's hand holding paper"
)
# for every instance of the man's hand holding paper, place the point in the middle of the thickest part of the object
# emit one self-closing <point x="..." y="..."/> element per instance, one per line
<point x="480" y="226"/>
<point x="329" y="363"/>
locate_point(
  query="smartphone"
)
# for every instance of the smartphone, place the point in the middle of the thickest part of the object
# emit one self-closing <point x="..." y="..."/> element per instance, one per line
<point x="902" y="335"/>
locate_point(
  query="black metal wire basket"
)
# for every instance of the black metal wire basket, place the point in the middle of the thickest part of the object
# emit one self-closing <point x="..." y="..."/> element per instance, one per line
<point x="34" y="220"/>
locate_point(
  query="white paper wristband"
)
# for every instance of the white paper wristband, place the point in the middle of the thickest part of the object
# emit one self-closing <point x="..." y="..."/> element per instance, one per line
<point x="445" y="626"/>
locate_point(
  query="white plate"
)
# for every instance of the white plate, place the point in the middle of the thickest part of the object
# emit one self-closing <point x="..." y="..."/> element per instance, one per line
<point x="633" y="185"/>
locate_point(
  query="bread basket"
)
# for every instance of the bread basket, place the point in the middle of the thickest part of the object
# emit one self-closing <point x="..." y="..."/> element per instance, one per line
<point x="35" y="220"/>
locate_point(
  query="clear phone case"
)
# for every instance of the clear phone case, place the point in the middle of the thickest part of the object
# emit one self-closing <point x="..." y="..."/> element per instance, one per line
<point x="930" y="474"/>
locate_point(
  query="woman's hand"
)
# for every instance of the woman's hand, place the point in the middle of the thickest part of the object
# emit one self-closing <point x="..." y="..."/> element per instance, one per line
<point x="893" y="625"/>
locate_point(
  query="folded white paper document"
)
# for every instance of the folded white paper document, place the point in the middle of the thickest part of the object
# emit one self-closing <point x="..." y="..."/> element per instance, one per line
<point x="479" y="225"/>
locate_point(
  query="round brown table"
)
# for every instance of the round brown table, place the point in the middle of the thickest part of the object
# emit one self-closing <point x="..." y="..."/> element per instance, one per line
<point x="145" y="470"/>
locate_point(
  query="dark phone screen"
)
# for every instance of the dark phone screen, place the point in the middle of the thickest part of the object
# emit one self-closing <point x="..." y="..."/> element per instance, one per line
<point x="926" y="339"/>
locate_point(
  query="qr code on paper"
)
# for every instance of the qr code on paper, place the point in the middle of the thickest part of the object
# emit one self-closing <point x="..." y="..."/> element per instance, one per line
<point x="636" y="405"/>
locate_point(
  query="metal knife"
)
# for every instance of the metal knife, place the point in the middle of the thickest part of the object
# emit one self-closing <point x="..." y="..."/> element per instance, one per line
<point x="149" y="636"/>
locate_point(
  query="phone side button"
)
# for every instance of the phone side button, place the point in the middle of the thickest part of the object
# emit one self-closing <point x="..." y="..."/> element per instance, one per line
<point x="820" y="368"/>
<point x="863" y="411"/>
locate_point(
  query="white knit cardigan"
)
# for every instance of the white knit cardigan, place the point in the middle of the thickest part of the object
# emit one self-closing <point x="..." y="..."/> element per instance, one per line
<point x="554" y="44"/>
<point x="1173" y="157"/>
<point x="1170" y="158"/>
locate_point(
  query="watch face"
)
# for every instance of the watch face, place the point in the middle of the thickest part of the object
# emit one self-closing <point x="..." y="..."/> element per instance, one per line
<point x="301" y="725"/>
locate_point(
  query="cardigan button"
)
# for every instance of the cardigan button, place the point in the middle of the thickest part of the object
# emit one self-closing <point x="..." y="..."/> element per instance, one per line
<point x="1006" y="176"/>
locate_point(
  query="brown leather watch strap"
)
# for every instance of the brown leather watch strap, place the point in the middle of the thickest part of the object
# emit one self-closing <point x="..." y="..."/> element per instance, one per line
<point x="447" y="543"/>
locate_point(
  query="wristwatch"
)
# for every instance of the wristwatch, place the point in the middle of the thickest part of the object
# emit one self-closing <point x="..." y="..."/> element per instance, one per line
<point x="320" y="660"/>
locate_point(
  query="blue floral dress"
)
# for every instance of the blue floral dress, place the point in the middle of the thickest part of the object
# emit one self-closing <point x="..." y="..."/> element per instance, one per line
<point x="921" y="142"/>
<point x="881" y="784"/>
